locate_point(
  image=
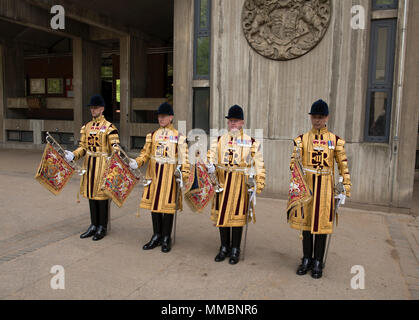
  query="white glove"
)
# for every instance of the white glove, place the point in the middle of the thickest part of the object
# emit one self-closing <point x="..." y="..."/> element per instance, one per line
<point x="211" y="168"/>
<point x="178" y="175"/>
<point x="133" y="164"/>
<point x="251" y="183"/>
<point x="342" y="198"/>
<point x="179" y="180"/>
<point x="252" y="193"/>
<point x="69" y="156"/>
<point x="252" y="199"/>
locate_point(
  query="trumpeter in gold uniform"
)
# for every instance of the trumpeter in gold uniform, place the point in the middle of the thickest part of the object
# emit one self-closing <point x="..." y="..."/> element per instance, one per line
<point x="164" y="150"/>
<point x="98" y="139"/>
<point x="233" y="154"/>
<point x="319" y="149"/>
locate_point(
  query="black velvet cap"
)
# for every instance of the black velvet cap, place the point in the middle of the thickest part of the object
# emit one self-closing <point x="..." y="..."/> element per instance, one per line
<point x="96" y="101"/>
<point x="319" y="108"/>
<point x="235" y="112"/>
<point x="165" y="108"/>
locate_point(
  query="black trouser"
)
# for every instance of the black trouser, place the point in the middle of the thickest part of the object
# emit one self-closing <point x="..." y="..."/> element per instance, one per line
<point x="235" y="239"/>
<point x="319" y="245"/>
<point x="99" y="212"/>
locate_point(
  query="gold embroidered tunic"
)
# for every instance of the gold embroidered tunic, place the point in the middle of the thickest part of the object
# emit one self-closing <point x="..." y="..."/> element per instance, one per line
<point x="232" y="154"/>
<point x="320" y="149"/>
<point x="96" y="143"/>
<point x="165" y="148"/>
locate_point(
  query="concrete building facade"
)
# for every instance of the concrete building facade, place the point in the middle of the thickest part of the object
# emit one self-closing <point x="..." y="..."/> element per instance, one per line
<point x="200" y="46"/>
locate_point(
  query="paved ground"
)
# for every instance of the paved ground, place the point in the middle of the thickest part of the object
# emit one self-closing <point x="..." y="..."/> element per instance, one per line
<point x="39" y="230"/>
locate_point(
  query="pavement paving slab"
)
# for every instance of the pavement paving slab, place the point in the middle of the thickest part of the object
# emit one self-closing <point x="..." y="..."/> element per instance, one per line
<point x="39" y="230"/>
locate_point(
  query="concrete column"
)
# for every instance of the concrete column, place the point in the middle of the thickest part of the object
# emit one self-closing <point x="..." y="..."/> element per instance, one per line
<point x="125" y="104"/>
<point x="14" y="74"/>
<point x="86" y="80"/>
<point x="405" y="172"/>
<point x="92" y="62"/>
<point x="133" y="74"/>
<point x="138" y="68"/>
<point x="2" y="96"/>
<point x="15" y="71"/>
<point x="77" y="87"/>
<point x="37" y="126"/>
<point x="183" y="61"/>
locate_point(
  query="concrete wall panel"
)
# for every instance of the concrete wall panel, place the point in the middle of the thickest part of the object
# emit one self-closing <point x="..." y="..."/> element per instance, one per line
<point x="277" y="95"/>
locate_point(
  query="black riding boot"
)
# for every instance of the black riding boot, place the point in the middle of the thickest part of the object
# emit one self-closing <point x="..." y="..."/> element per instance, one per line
<point x="94" y="220"/>
<point x="166" y="244"/>
<point x="307" y="260"/>
<point x="225" y="244"/>
<point x="103" y="210"/>
<point x="319" y="247"/>
<point x="235" y="243"/>
<point x="155" y="241"/>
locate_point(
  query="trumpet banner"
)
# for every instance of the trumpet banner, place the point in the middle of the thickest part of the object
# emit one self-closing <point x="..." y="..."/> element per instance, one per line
<point x="199" y="188"/>
<point x="53" y="171"/>
<point x="299" y="192"/>
<point x="118" y="180"/>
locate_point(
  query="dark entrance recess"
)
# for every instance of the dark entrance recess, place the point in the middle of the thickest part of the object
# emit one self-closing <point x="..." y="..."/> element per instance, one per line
<point x="107" y="96"/>
<point x="107" y="87"/>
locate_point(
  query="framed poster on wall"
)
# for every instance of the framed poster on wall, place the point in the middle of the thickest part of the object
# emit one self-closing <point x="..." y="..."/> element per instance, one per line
<point x="55" y="86"/>
<point x="37" y="86"/>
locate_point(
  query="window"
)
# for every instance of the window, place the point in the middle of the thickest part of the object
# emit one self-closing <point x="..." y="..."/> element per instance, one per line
<point x="202" y="36"/>
<point x="384" y="4"/>
<point x="202" y="55"/>
<point x="137" y="142"/>
<point x="380" y="80"/>
<point x="201" y="107"/>
<point x="63" y="138"/>
<point x="144" y="116"/>
<point x="20" y="136"/>
<point x="13" y="135"/>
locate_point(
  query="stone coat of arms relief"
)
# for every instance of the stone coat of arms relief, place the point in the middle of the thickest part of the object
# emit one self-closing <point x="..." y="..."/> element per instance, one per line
<point x="285" y="29"/>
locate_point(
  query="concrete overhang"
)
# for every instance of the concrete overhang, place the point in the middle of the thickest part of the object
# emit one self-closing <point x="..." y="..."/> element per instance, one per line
<point x="145" y="19"/>
<point x="25" y="14"/>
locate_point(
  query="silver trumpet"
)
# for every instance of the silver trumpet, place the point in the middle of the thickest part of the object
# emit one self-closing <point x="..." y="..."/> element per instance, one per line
<point x="179" y="185"/>
<point x="137" y="172"/>
<point x="54" y="143"/>
<point x="213" y="176"/>
<point x="339" y="189"/>
<point x="215" y="183"/>
<point x="251" y="185"/>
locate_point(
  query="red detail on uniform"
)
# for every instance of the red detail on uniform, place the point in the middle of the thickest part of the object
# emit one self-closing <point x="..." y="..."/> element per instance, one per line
<point x="238" y="201"/>
<point x="317" y="210"/>
<point x="331" y="209"/>
<point x="156" y="201"/>
<point x="226" y="195"/>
